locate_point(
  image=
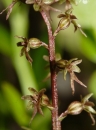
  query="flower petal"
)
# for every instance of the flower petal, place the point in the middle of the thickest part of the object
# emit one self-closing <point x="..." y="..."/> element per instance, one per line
<point x="73" y="76"/>
<point x="85" y="99"/>
<point x="92" y="118"/>
<point x="65" y="73"/>
<point x="89" y="109"/>
<point x="75" y="68"/>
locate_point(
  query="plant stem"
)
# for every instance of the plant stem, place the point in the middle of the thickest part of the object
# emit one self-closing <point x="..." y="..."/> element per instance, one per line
<point x="56" y="124"/>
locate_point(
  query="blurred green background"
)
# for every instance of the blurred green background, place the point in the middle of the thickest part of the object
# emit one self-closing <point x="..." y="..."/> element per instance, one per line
<point x="16" y="74"/>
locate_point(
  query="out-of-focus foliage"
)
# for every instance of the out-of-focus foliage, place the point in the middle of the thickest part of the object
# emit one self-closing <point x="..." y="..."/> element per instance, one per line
<point x="88" y="46"/>
<point x="15" y="105"/>
<point x="10" y="98"/>
<point x="16" y="74"/>
<point x="92" y="83"/>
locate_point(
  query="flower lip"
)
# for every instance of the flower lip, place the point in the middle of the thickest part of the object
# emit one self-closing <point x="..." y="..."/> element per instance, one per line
<point x="21" y="44"/>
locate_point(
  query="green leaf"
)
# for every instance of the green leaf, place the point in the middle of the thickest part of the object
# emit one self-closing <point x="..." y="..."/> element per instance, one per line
<point x="86" y="14"/>
<point x="92" y="83"/>
<point x="16" y="105"/>
<point x="88" y="49"/>
<point x="5" y="46"/>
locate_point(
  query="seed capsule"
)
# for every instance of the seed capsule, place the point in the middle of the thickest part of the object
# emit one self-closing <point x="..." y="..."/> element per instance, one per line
<point x="34" y="43"/>
<point x="75" y="108"/>
<point x="63" y="24"/>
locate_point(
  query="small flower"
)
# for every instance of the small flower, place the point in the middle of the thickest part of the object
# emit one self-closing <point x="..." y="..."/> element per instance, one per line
<point x="88" y="106"/>
<point x="71" y="67"/>
<point x="66" y="66"/>
<point x="30" y="43"/>
<point x="66" y="19"/>
<point x="77" y="107"/>
<point x="37" y="100"/>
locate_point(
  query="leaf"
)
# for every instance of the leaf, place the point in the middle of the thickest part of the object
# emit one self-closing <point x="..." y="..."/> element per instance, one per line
<point x="86" y="17"/>
<point x="5" y="45"/>
<point x="16" y="105"/>
<point x="92" y="83"/>
<point x="89" y="49"/>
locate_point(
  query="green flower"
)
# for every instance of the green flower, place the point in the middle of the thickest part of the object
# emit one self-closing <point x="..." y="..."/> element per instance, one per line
<point x="71" y="67"/>
<point x="66" y="66"/>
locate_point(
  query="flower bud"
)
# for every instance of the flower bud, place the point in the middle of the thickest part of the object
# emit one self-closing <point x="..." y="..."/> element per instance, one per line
<point x="34" y="43"/>
<point x="75" y="108"/>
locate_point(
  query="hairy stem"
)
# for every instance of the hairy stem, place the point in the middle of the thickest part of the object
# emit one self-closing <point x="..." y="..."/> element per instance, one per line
<point x="56" y="124"/>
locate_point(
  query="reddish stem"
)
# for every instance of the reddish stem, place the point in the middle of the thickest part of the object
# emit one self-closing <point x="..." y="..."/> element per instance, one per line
<point x="56" y="124"/>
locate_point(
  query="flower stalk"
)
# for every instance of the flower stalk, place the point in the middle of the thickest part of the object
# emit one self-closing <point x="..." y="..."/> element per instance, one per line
<point x="56" y="124"/>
